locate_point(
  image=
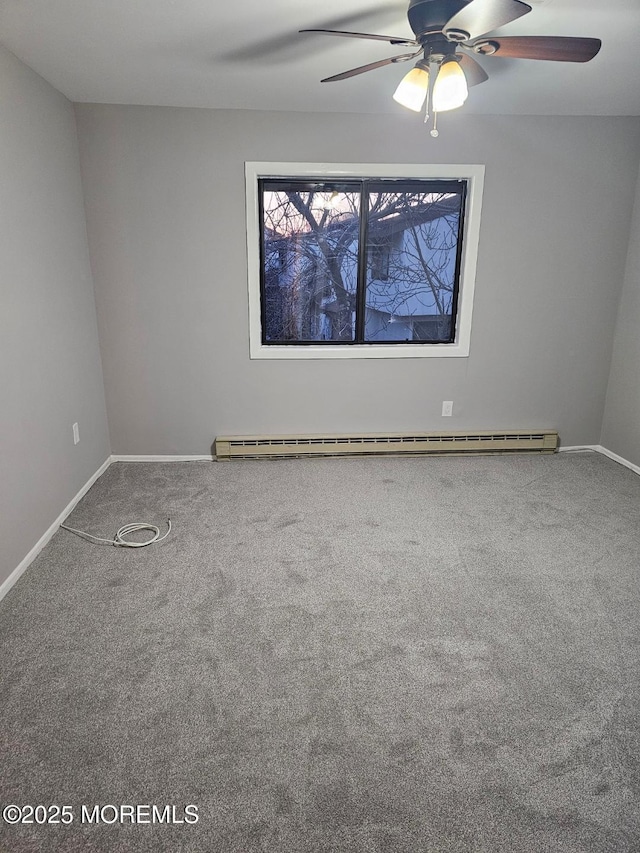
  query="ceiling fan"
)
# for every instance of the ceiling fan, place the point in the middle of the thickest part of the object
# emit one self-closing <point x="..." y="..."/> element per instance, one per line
<point x="447" y="34"/>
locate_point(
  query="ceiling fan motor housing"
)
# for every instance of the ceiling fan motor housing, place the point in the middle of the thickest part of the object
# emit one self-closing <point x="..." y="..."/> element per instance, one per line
<point x="429" y="16"/>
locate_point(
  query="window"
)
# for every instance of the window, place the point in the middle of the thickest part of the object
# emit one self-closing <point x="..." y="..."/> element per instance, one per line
<point x="345" y="264"/>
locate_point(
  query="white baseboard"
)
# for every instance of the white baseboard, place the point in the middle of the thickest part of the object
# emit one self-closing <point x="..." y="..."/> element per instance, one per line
<point x="33" y="553"/>
<point x="580" y="448"/>
<point x="208" y="458"/>
<point x="621" y="460"/>
<point x="598" y="448"/>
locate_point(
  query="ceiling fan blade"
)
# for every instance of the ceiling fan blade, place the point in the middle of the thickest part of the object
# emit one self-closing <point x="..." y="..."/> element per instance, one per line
<point x="403" y="57"/>
<point x="390" y="39"/>
<point x="482" y="16"/>
<point x="558" y="48"/>
<point x="473" y="71"/>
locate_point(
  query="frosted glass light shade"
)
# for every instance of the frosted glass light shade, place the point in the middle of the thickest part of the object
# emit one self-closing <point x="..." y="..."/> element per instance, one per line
<point x="413" y="88"/>
<point x="450" y="90"/>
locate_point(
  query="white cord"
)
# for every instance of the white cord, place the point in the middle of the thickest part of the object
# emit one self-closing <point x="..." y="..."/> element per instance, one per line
<point x="119" y="539"/>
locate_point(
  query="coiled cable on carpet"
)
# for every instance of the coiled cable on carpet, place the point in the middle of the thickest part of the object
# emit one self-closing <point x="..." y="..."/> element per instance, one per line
<point x="119" y="538"/>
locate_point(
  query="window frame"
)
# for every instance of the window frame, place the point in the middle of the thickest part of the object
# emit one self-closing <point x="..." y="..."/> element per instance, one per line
<point x="459" y="348"/>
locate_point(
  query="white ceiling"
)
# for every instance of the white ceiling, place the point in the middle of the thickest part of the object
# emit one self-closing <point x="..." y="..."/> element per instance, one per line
<point x="247" y="54"/>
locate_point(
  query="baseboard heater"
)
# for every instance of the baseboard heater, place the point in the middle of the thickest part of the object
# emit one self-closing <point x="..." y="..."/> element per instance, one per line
<point x="384" y="444"/>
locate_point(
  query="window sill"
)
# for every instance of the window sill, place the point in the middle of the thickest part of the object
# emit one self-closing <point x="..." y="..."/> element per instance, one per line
<point x="361" y="351"/>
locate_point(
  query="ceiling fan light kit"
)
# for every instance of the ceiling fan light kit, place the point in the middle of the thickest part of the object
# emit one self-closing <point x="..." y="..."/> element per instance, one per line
<point x="414" y="87"/>
<point x="447" y="34"/>
<point x="450" y="90"/>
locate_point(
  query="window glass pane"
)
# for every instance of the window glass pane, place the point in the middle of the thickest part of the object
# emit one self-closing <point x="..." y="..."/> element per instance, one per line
<point x="412" y="264"/>
<point x="310" y="254"/>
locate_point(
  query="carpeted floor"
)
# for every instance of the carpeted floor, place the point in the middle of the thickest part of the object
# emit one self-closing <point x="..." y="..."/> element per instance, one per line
<point x="377" y="656"/>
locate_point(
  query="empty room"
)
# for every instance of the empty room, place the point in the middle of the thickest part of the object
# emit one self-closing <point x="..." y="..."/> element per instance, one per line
<point x="320" y="426"/>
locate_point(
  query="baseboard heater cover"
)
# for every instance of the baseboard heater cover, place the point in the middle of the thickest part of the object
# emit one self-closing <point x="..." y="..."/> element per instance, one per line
<point x="385" y="444"/>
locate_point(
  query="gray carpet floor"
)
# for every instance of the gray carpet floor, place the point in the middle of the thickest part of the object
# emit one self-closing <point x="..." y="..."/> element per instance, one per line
<point x="367" y="655"/>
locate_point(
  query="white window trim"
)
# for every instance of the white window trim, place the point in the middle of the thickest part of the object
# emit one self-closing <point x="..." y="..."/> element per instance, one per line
<point x="474" y="174"/>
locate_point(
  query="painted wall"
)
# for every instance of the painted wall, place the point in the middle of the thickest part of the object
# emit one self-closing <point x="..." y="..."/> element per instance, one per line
<point x="50" y="370"/>
<point x="164" y="196"/>
<point x="621" y="425"/>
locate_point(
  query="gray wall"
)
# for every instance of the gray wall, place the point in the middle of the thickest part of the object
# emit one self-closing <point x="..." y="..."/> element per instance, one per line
<point x="164" y="195"/>
<point x="621" y="426"/>
<point x="50" y="371"/>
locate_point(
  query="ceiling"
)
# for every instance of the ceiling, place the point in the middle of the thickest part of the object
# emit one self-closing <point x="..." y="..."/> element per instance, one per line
<point x="247" y="54"/>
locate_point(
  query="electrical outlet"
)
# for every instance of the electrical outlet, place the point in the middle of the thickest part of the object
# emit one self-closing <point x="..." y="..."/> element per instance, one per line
<point x="447" y="408"/>
<point x="76" y="434"/>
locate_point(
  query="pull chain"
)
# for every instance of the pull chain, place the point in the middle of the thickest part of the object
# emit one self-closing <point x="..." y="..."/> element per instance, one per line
<point x="432" y="76"/>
